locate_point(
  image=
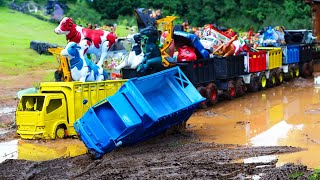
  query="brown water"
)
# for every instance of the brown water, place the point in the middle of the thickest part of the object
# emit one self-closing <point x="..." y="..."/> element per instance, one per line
<point x="286" y="115"/>
<point x="41" y="150"/>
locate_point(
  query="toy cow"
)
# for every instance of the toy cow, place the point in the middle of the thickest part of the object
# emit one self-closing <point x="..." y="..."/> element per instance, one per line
<point x="99" y="41"/>
<point x="135" y="56"/>
<point x="81" y="68"/>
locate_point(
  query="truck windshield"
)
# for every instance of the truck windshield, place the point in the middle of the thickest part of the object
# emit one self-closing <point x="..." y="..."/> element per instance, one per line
<point x="31" y="103"/>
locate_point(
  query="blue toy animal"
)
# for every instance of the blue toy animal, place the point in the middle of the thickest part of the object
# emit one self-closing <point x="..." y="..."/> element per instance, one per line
<point x="81" y="68"/>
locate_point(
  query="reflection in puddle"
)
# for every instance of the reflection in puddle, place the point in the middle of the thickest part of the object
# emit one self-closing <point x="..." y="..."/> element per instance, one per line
<point x="272" y="136"/>
<point x="263" y="159"/>
<point x="41" y="150"/>
<point x="8" y="150"/>
<point x="286" y="115"/>
<point x="7" y="110"/>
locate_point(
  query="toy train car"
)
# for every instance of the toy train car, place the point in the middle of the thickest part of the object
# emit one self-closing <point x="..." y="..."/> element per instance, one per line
<point x="230" y="77"/>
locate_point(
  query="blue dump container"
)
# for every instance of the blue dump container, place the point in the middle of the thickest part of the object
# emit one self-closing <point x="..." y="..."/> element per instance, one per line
<point x="142" y="108"/>
<point x="291" y="54"/>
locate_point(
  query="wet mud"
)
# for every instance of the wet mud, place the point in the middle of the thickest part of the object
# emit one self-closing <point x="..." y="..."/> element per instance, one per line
<point x="286" y="115"/>
<point x="221" y="142"/>
<point x="174" y="156"/>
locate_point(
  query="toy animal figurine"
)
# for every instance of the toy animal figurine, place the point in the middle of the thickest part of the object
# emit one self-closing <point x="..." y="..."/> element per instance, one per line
<point x="152" y="54"/>
<point x="135" y="56"/>
<point x="81" y="68"/>
<point x="100" y="41"/>
<point x="272" y="37"/>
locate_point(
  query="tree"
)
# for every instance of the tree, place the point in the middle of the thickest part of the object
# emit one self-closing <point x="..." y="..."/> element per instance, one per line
<point x="83" y="14"/>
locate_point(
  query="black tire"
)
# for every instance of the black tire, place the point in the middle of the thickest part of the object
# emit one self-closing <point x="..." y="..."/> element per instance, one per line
<point x="279" y="77"/>
<point x="203" y="92"/>
<point x="272" y="79"/>
<point x="305" y="70"/>
<point x="296" y="71"/>
<point x="291" y="72"/>
<point x="262" y="81"/>
<point x="230" y="93"/>
<point x="253" y="86"/>
<point x="212" y="93"/>
<point x="311" y="67"/>
<point x="240" y="87"/>
<point x="60" y="132"/>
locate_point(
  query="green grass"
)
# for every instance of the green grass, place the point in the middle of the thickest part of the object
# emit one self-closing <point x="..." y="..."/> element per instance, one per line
<point x="17" y="31"/>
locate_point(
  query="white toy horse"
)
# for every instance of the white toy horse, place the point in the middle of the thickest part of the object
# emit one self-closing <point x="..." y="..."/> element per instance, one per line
<point x="81" y="68"/>
<point x="135" y="56"/>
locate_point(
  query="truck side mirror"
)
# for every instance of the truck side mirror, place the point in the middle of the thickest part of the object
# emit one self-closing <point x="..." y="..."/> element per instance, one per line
<point x="85" y="101"/>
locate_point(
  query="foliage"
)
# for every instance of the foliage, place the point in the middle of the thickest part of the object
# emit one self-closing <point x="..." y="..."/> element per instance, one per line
<point x="315" y="175"/>
<point x="82" y="14"/>
<point x="2" y="3"/>
<point x="295" y="175"/>
<point x="238" y="14"/>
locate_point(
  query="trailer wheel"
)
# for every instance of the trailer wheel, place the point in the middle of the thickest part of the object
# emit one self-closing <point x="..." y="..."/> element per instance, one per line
<point x="231" y="91"/>
<point x="311" y="67"/>
<point x="253" y="86"/>
<point x="272" y="79"/>
<point x="203" y="93"/>
<point x="60" y="132"/>
<point x="296" y="71"/>
<point x="262" y="81"/>
<point x="279" y="78"/>
<point x="240" y="87"/>
<point x="212" y="93"/>
<point x="291" y="72"/>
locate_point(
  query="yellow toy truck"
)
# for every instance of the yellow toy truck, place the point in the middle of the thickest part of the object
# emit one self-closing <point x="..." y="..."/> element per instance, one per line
<point x="51" y="113"/>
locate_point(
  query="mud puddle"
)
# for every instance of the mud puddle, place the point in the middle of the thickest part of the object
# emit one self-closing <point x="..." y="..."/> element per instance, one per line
<point x="287" y="115"/>
<point x="41" y="150"/>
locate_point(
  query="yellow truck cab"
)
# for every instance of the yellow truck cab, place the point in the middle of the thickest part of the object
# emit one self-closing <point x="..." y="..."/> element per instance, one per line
<point x="51" y="113"/>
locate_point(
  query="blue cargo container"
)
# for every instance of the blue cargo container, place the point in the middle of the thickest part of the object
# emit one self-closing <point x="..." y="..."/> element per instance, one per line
<point x="142" y="108"/>
<point x="290" y="54"/>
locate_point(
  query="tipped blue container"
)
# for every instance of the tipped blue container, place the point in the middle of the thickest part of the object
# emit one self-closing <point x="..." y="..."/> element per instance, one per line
<point x="142" y="108"/>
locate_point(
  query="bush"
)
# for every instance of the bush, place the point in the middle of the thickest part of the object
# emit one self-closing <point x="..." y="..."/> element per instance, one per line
<point x="82" y="14"/>
<point x="2" y="3"/>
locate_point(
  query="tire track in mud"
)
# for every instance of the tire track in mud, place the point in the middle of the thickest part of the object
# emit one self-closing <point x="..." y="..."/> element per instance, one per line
<point x="177" y="156"/>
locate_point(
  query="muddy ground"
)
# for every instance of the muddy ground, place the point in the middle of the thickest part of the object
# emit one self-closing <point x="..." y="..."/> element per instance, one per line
<point x="171" y="156"/>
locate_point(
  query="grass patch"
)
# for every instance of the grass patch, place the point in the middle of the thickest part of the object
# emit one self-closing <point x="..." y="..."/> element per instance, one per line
<point x="17" y="31"/>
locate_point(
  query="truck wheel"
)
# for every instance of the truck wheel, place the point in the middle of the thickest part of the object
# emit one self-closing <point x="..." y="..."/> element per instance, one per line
<point x="296" y="71"/>
<point x="262" y="81"/>
<point x="212" y="93"/>
<point x="311" y="67"/>
<point x="253" y="86"/>
<point x="240" y="87"/>
<point x="279" y="78"/>
<point x="231" y="91"/>
<point x="60" y="132"/>
<point x="305" y="70"/>
<point x="272" y="79"/>
<point x="203" y="93"/>
<point x="291" y="72"/>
